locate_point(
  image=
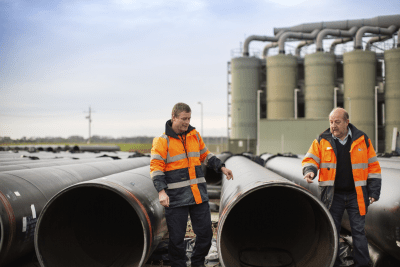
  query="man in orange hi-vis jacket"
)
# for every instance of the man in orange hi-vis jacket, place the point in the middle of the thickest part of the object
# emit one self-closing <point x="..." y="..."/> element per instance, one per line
<point x="349" y="178"/>
<point x="175" y="168"/>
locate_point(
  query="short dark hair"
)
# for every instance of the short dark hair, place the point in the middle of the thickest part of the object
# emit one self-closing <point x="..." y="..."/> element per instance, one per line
<point x="178" y="108"/>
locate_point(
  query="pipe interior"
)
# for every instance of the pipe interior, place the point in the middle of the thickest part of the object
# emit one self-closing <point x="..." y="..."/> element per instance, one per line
<point x="90" y="226"/>
<point x="277" y="226"/>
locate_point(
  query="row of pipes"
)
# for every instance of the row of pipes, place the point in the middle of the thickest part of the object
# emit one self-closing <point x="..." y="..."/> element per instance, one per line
<point x="108" y="214"/>
<point x="57" y="148"/>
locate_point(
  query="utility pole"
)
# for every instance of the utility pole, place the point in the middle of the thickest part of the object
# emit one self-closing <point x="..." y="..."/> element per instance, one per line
<point x="201" y="104"/>
<point x="90" y="122"/>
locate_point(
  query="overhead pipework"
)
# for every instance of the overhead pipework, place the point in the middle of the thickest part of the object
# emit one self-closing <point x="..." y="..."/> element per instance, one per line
<point x="333" y="32"/>
<point x="112" y="221"/>
<point x="376" y="39"/>
<point x="338" y="41"/>
<point x="284" y="222"/>
<point x="380" y="21"/>
<point x="301" y="45"/>
<point x="297" y="35"/>
<point x="259" y="38"/>
<point x="267" y="48"/>
<point x="360" y="33"/>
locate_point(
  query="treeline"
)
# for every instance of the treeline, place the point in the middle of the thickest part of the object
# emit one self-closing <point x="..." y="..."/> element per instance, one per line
<point x="97" y="139"/>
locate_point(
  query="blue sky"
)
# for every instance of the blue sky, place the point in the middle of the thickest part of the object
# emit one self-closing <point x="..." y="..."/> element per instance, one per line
<point x="131" y="61"/>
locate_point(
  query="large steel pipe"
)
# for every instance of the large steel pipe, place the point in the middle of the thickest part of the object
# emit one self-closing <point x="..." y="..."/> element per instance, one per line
<point x="213" y="177"/>
<point x="382" y="224"/>
<point x="97" y="148"/>
<point x="49" y="163"/>
<point x="112" y="221"/>
<point x="24" y="193"/>
<point x="266" y="220"/>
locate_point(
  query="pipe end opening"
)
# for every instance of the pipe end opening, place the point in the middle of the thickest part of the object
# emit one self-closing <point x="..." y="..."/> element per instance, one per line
<point x="89" y="226"/>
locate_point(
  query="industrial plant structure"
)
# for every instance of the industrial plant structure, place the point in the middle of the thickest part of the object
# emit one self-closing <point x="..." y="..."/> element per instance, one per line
<point x="284" y="100"/>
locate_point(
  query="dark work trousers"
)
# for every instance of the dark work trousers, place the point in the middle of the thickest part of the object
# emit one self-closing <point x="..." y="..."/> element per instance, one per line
<point x="177" y="222"/>
<point x="348" y="201"/>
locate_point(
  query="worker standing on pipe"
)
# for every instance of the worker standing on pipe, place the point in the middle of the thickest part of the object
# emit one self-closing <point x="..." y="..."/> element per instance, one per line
<point x="175" y="168"/>
<point x="349" y="178"/>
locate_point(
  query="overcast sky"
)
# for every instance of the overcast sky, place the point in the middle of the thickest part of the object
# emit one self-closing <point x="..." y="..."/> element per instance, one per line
<point x="132" y="60"/>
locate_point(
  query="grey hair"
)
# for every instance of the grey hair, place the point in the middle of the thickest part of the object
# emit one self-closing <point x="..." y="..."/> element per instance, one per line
<point x="178" y="108"/>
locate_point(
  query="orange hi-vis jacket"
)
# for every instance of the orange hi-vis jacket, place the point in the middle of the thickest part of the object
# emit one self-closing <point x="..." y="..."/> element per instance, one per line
<point x="365" y="167"/>
<point x="176" y="166"/>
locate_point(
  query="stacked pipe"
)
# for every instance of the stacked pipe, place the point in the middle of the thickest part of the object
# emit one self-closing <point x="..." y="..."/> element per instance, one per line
<point x="112" y="221"/>
<point x="48" y="163"/>
<point x="57" y="148"/>
<point x="285" y="225"/>
<point x="383" y="217"/>
<point x="23" y="194"/>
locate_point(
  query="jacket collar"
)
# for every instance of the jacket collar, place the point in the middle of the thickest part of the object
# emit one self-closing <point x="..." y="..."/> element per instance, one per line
<point x="171" y="133"/>
<point x="354" y="132"/>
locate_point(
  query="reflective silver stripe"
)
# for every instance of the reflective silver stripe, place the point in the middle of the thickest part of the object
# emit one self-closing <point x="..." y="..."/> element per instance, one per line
<point x="372" y="160"/>
<point x="310" y="164"/>
<point x="210" y="155"/>
<point x="193" y="154"/>
<point x="311" y="155"/>
<point x="326" y="183"/>
<point x="328" y="165"/>
<point x="204" y="150"/>
<point x="360" y="183"/>
<point x="175" y="158"/>
<point x="198" y="138"/>
<point x="186" y="183"/>
<point x="156" y="173"/>
<point x="156" y="156"/>
<point x="374" y="175"/>
<point x="359" y="166"/>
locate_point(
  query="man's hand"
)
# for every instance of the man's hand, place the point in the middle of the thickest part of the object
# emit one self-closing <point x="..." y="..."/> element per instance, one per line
<point x="371" y="200"/>
<point x="227" y="172"/>
<point x="309" y="176"/>
<point x="164" y="198"/>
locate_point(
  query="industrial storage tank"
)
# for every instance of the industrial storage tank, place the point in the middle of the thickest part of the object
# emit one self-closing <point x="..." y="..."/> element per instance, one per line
<point x="246" y="73"/>
<point x="319" y="84"/>
<point x="392" y="95"/>
<point x="359" y="90"/>
<point x="281" y="82"/>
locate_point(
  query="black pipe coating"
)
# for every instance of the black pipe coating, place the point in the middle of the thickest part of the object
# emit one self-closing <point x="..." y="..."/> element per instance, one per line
<point x="112" y="221"/>
<point x="23" y="194"/>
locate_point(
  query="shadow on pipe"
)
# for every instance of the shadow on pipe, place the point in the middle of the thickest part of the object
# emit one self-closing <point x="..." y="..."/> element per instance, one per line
<point x="265" y="220"/>
<point x="212" y="177"/>
<point x="111" y="221"/>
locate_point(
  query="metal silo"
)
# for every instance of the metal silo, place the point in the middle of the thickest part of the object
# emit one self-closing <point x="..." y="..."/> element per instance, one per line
<point x="392" y="95"/>
<point x="281" y="82"/>
<point x="245" y="83"/>
<point x="319" y="84"/>
<point x="359" y="90"/>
